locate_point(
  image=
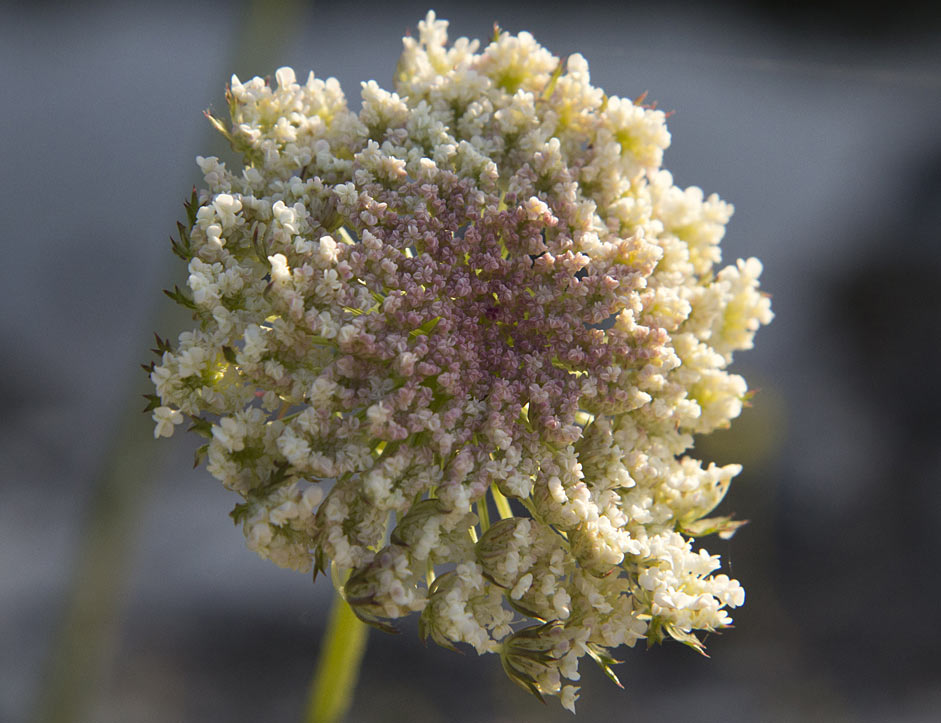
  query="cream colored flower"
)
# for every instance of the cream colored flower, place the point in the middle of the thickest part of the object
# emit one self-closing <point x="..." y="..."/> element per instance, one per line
<point x="482" y="286"/>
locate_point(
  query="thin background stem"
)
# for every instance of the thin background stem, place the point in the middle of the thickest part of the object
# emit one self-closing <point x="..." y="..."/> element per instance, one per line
<point x="83" y="650"/>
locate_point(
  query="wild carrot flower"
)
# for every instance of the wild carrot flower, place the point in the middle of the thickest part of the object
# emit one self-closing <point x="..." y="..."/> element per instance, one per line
<point x="481" y="286"/>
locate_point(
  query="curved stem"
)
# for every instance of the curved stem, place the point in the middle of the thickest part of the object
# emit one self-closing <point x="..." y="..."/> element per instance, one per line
<point x="341" y="653"/>
<point x="502" y="503"/>
<point x="483" y="514"/>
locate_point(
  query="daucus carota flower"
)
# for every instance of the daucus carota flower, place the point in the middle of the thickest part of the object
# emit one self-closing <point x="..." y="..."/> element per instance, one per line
<point x="478" y="298"/>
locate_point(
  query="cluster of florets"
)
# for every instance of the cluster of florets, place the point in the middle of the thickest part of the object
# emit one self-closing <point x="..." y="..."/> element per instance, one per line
<point x="456" y="345"/>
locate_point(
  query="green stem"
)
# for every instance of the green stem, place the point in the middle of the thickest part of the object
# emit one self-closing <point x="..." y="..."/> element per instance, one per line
<point x="341" y="653"/>
<point x="502" y="503"/>
<point x="85" y="645"/>
<point x="484" y="514"/>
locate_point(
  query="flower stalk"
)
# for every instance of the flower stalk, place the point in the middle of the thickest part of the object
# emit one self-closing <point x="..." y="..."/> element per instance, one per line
<point x="338" y="665"/>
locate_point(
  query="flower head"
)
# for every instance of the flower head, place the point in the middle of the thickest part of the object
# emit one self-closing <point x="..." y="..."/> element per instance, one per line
<point x="480" y="287"/>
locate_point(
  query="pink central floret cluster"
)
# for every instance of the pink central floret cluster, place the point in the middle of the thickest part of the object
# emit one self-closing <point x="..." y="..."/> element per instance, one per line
<point x="513" y="314"/>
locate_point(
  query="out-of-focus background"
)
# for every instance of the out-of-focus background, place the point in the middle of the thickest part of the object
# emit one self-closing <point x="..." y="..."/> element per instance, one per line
<point x="819" y="120"/>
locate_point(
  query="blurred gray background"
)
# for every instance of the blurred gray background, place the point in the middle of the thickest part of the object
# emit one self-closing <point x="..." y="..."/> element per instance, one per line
<point x="120" y="571"/>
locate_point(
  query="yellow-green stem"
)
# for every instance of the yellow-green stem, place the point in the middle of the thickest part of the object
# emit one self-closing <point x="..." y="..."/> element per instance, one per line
<point x="502" y="503"/>
<point x="484" y="514"/>
<point x="341" y="653"/>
